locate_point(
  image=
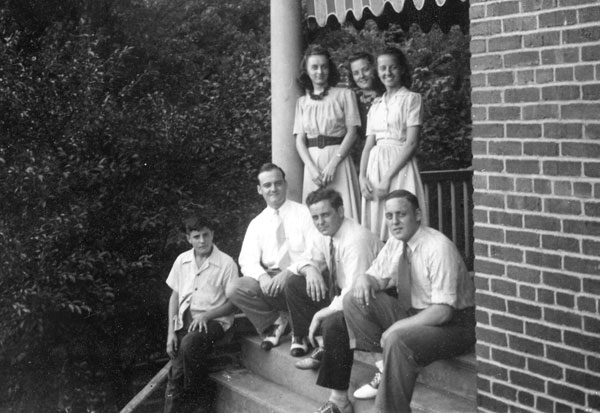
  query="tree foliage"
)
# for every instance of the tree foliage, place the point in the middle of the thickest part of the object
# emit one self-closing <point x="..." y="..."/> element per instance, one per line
<point x="115" y="118"/>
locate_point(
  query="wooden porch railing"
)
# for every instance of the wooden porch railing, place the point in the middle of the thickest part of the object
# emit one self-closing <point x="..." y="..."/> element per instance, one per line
<point x="449" y="195"/>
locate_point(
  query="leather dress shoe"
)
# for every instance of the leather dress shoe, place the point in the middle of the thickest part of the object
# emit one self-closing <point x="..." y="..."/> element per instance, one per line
<point x="299" y="346"/>
<point x="275" y="332"/>
<point x="313" y="362"/>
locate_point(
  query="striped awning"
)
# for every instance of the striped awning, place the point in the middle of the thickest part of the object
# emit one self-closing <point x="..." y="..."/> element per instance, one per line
<point x="445" y="13"/>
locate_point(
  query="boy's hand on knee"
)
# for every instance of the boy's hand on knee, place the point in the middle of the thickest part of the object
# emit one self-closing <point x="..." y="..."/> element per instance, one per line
<point x="199" y="322"/>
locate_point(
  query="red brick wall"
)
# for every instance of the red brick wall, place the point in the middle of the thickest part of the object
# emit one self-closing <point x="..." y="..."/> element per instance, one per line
<point x="536" y="154"/>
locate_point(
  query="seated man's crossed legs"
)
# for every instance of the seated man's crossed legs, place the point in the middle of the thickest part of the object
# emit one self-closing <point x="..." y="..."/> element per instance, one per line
<point x="268" y="314"/>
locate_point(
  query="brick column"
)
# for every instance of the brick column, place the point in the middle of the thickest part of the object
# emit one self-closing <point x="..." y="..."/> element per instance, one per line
<point x="536" y="155"/>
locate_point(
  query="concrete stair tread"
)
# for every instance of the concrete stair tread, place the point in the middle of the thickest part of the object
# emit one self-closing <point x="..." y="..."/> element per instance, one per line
<point x="244" y="391"/>
<point x="278" y="366"/>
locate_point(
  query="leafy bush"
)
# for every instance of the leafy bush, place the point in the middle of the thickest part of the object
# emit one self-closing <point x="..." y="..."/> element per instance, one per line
<point x="107" y="136"/>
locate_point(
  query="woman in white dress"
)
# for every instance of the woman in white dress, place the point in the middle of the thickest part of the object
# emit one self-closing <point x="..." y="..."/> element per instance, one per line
<point x="388" y="158"/>
<point x="325" y="126"/>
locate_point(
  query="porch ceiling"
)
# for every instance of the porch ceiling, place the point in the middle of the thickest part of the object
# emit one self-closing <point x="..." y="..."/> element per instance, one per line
<point x="426" y="13"/>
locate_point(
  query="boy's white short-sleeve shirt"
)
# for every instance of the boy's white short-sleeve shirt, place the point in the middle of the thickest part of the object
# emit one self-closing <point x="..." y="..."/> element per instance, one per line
<point x="202" y="289"/>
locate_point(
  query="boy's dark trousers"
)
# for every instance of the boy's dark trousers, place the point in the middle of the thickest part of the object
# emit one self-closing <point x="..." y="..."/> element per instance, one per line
<point x="187" y="385"/>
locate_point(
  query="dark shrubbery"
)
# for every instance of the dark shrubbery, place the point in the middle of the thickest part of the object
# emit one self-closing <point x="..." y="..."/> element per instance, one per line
<point x="114" y="118"/>
<point x="108" y="133"/>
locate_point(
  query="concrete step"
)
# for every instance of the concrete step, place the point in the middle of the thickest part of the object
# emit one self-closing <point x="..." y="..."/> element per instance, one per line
<point x="457" y="376"/>
<point x="240" y="390"/>
<point x="277" y="366"/>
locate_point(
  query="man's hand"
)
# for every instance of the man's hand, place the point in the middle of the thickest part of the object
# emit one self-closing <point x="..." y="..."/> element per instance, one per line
<point x="273" y="286"/>
<point x="265" y="283"/>
<point x="364" y="289"/>
<point x="315" y="286"/>
<point x="199" y="323"/>
<point x="172" y="345"/>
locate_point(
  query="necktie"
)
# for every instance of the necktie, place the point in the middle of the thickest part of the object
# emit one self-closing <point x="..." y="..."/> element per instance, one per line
<point x="332" y="284"/>
<point x="283" y="257"/>
<point x="403" y="280"/>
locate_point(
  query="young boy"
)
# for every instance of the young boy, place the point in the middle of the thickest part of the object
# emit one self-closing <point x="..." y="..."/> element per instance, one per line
<point x="199" y="315"/>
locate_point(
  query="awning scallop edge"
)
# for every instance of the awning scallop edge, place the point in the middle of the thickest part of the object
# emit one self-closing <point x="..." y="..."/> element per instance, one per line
<point x="423" y="12"/>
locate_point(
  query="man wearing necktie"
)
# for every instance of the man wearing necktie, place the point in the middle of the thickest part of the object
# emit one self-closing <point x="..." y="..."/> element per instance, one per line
<point x="275" y="238"/>
<point x="336" y="256"/>
<point x="433" y="318"/>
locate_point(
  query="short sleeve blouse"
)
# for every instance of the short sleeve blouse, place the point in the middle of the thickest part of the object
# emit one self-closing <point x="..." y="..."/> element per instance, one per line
<point x="330" y="116"/>
<point x="392" y="119"/>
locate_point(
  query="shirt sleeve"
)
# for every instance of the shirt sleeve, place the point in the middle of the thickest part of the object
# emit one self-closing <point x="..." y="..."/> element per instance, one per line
<point x="357" y="258"/>
<point x="251" y="253"/>
<point x="444" y="267"/>
<point x="351" y="113"/>
<point x="173" y="278"/>
<point x="298" y="124"/>
<point x="313" y="255"/>
<point x="415" y="114"/>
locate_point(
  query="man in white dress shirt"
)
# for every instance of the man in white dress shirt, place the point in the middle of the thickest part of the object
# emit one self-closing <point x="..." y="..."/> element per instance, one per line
<point x="434" y="315"/>
<point x="342" y="251"/>
<point x="274" y="239"/>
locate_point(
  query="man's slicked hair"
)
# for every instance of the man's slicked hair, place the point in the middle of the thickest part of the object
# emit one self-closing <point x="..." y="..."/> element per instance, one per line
<point x="325" y="194"/>
<point x="402" y="193"/>
<point x="267" y="167"/>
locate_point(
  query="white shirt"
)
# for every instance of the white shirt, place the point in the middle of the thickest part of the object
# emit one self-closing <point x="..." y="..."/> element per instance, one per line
<point x="259" y="249"/>
<point x="355" y="249"/>
<point x="202" y="289"/>
<point x="438" y="272"/>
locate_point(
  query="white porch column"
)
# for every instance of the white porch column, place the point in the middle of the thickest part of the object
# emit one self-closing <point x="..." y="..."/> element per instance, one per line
<point x="286" y="43"/>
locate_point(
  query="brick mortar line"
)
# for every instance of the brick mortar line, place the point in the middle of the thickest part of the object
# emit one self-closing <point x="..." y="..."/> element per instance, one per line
<point x="562" y="253"/>
<point x="540" y="358"/>
<point x="519" y="406"/>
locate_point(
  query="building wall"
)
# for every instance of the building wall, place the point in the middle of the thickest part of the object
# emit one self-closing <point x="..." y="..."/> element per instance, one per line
<point x="536" y="155"/>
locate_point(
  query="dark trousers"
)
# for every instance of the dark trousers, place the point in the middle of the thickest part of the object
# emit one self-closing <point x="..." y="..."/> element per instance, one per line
<point x="407" y="350"/>
<point x="336" y="364"/>
<point x="187" y="384"/>
<point x="302" y="308"/>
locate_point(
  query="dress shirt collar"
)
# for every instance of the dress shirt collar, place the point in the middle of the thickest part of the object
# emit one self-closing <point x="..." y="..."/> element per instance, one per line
<point x="282" y="209"/>
<point x="339" y="235"/>
<point x="415" y="240"/>
<point x="215" y="258"/>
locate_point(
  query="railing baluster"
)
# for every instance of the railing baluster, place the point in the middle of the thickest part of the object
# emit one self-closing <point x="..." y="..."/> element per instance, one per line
<point x="467" y="224"/>
<point x="453" y="209"/>
<point x="440" y="207"/>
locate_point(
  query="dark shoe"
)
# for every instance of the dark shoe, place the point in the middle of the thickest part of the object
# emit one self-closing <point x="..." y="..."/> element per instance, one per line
<point x="275" y="332"/>
<point x="331" y="407"/>
<point x="299" y="346"/>
<point x="313" y="362"/>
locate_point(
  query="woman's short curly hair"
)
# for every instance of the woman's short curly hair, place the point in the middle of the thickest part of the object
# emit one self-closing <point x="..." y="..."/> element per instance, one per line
<point x="401" y="60"/>
<point x="377" y="85"/>
<point x="317" y="50"/>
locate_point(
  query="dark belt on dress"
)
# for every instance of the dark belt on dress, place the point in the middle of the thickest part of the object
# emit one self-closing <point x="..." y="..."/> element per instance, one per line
<point x="322" y="141"/>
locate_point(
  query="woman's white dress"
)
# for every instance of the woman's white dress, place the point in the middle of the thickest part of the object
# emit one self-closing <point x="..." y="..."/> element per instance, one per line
<point x="389" y="123"/>
<point x="331" y="116"/>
